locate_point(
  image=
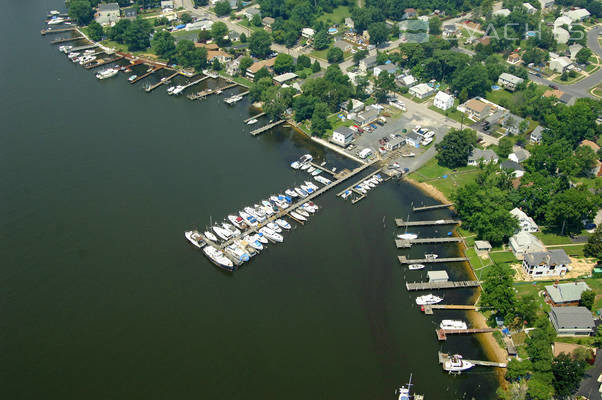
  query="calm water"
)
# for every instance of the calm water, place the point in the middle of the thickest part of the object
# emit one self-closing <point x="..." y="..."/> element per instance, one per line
<point x="102" y="297"/>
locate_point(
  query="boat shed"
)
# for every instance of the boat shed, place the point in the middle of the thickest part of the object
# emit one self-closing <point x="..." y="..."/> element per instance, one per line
<point x="437" y="276"/>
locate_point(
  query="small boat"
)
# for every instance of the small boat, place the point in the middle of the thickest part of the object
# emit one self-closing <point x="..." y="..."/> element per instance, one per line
<point x="431" y="256"/>
<point x="323" y="180"/>
<point x="404" y="392"/>
<point x="311" y="185"/>
<point x="291" y="193"/>
<point x="310" y="169"/>
<point x="195" y="238"/>
<point x="273" y="226"/>
<point x="170" y="90"/>
<point x="305" y="166"/>
<point x="313" y="205"/>
<point x="414" y="267"/>
<point x="295" y="165"/>
<point x="221" y="233"/>
<point x="361" y="189"/>
<point x="233" y="231"/>
<point x="261" y="237"/>
<point x="260" y="213"/>
<point x="453" y="324"/>
<point x="378" y="177"/>
<point x="428" y="299"/>
<point x="316" y="172"/>
<point x="248" y="219"/>
<point x="253" y="242"/>
<point x="237" y="221"/>
<point x="246" y="246"/>
<point x="107" y="73"/>
<point x="309" y="208"/>
<point x="298" y="216"/>
<point x="440" y="221"/>
<point x="218" y="258"/>
<point x="271" y="235"/>
<point x="307" y="189"/>
<point x="132" y="78"/>
<point x="407" y="236"/>
<point x="346" y="194"/>
<point x="301" y="192"/>
<point x="302" y="212"/>
<point x="56" y="20"/>
<point x="54" y="12"/>
<point x="237" y="253"/>
<point x="283" y="224"/>
<point x="210" y="236"/>
<point x="251" y="121"/>
<point x="408" y="155"/>
<point x="456" y="364"/>
<point x="306" y="158"/>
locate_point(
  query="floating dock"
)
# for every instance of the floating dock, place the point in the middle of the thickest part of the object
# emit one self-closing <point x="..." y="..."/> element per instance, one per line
<point x="161" y="82"/>
<point x="435" y="207"/>
<point x="414" y="286"/>
<point x="407" y="243"/>
<point x="442" y="333"/>
<point x="444" y="357"/>
<point x="47" y="31"/>
<point x="401" y="223"/>
<point x="428" y="310"/>
<point x="267" y="127"/>
<point x="65" y="40"/>
<point x="404" y="260"/>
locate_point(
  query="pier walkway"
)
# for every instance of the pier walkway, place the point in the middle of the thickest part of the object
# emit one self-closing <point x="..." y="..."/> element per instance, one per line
<point x="435" y="207"/>
<point x="428" y="309"/>
<point x="414" y="286"/>
<point x="161" y="82"/>
<point x="65" y="40"/>
<point x="401" y="223"/>
<point x="155" y="69"/>
<point x="254" y="117"/>
<point x="47" y="31"/>
<point x="100" y="63"/>
<point x="267" y="127"/>
<point x="404" y="260"/>
<point x="82" y="48"/>
<point x="407" y="243"/>
<point x="444" y="357"/>
<point x="442" y="333"/>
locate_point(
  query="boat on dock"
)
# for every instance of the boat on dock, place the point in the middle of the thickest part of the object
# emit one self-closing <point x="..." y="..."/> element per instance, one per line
<point x="210" y="236"/>
<point x="248" y="218"/>
<point x="346" y="194"/>
<point x="237" y="221"/>
<point x="404" y="392"/>
<point x="107" y="73"/>
<point x="323" y="180"/>
<point x="232" y="100"/>
<point x="453" y="324"/>
<point x="195" y="238"/>
<point x="407" y="236"/>
<point x="218" y="258"/>
<point x="302" y="212"/>
<point x="455" y="364"/>
<point x="428" y="299"/>
<point x="239" y="255"/>
<point x="55" y="20"/>
<point x="301" y="192"/>
<point x="132" y="78"/>
<point x="283" y="224"/>
<point x="291" y="193"/>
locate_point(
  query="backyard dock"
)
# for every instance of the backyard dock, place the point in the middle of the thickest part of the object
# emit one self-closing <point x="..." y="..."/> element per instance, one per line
<point x="267" y="127"/>
<point x="444" y="357"/>
<point x="428" y="309"/>
<point x="155" y="69"/>
<point x="254" y="117"/>
<point x="103" y="62"/>
<point x="47" y="31"/>
<point x="442" y="333"/>
<point x="402" y="224"/>
<point x="161" y="82"/>
<point x="414" y="286"/>
<point x="65" y="40"/>
<point x="435" y="207"/>
<point x="404" y="260"/>
<point x="82" y="48"/>
<point x="407" y="243"/>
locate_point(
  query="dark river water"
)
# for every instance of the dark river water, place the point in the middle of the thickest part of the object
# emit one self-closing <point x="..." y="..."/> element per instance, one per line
<point x="103" y="298"/>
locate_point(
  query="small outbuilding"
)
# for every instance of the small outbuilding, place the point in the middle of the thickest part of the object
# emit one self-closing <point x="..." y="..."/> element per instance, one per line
<point x="482" y="246"/>
<point x="437" y="276"/>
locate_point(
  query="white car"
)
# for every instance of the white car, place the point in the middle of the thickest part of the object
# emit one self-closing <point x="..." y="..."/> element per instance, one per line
<point x="427" y="141"/>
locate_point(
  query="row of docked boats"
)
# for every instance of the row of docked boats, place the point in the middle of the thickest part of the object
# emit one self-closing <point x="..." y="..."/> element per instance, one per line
<point x="304" y="163"/>
<point x="364" y="186"/>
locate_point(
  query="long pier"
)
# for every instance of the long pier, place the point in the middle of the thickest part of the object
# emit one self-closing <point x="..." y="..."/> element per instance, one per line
<point x="444" y="357"/>
<point x="161" y="82"/>
<point x="404" y="260"/>
<point x="254" y="117"/>
<point x="442" y="333"/>
<point x="81" y="48"/>
<point x="428" y="309"/>
<point x="65" y="40"/>
<point x="414" y="286"/>
<point x="267" y="127"/>
<point x="155" y="69"/>
<point x="44" y="32"/>
<point x="104" y="62"/>
<point x="435" y="207"/>
<point x="401" y="223"/>
<point x="407" y="243"/>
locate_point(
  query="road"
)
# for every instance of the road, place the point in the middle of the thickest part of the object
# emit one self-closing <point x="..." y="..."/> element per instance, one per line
<point x="589" y="385"/>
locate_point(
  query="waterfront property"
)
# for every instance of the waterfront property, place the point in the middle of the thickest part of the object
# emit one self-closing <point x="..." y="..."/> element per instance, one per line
<point x="572" y="321"/>
<point x="343" y="136"/>
<point x="523" y="242"/>
<point x="482" y="156"/>
<point x="526" y="223"/>
<point x="565" y="294"/>
<point x="546" y="263"/>
<point x="108" y="13"/>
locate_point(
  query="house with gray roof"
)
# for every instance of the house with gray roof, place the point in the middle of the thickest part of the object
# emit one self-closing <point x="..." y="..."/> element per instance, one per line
<point x="546" y="263"/>
<point x="523" y="243"/>
<point x="509" y="81"/>
<point x="367" y="63"/>
<point x="388" y="68"/>
<point x="572" y="321"/>
<point x="519" y="155"/>
<point x="366" y="117"/>
<point x="565" y="294"/>
<point x="108" y="13"/>
<point x="536" y="134"/>
<point x="413" y="139"/>
<point x="342" y="136"/>
<point x="486" y="156"/>
<point x="514" y="167"/>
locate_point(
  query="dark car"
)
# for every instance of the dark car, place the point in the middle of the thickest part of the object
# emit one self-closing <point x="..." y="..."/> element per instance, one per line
<point x="555" y="87"/>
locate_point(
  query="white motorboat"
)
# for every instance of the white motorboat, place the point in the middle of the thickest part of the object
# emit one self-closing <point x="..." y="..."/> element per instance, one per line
<point x="302" y="212"/>
<point x="132" y="78"/>
<point x="311" y="185"/>
<point x="295" y="165"/>
<point x="306" y="158"/>
<point x="431" y="256"/>
<point x="346" y="194"/>
<point x="456" y="364"/>
<point x="273" y="226"/>
<point x="283" y="224"/>
<point x="246" y="246"/>
<point x="237" y="221"/>
<point x="107" y="73"/>
<point x="360" y="189"/>
<point x="428" y="299"/>
<point x="210" y="236"/>
<point x="291" y="193"/>
<point x="305" y="166"/>
<point x="261" y="237"/>
<point x="195" y="238"/>
<point x="379" y="177"/>
<point x="248" y="219"/>
<point x="453" y="324"/>
<point x="254" y="242"/>
<point x="271" y="235"/>
<point x="307" y="189"/>
<point x="301" y="192"/>
<point x="56" y="20"/>
<point x="298" y="216"/>
<point x="310" y="169"/>
<point x="440" y="221"/>
<point x="404" y="392"/>
<point x="254" y="213"/>
<point x="178" y="90"/>
<point x="237" y="253"/>
<point x="233" y="231"/>
<point x="415" y="267"/>
<point x="369" y="183"/>
<point x="259" y="212"/>
<point x="323" y="180"/>
<point x="73" y="55"/>
<point x="407" y="236"/>
<point x="221" y="232"/>
<point x="308" y="208"/>
<point x="170" y="90"/>
<point x="54" y="12"/>
<point x="313" y="205"/>
<point x="316" y="172"/>
<point x="218" y="258"/>
<point x="251" y="121"/>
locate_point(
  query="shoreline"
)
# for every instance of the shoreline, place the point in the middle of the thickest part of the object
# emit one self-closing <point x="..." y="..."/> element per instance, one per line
<point x="428" y="189"/>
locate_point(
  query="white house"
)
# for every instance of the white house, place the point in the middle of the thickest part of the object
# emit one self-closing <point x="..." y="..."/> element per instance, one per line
<point x="356" y="106"/>
<point x="108" y="13"/>
<point x="526" y="223"/>
<point x="422" y="90"/>
<point x="530" y="9"/>
<point x="546" y="3"/>
<point x="504" y="12"/>
<point x="523" y="243"/>
<point x="536" y="134"/>
<point x="546" y="263"/>
<point x="250" y="12"/>
<point x="561" y="35"/>
<point x="389" y="68"/>
<point x="342" y="136"/>
<point x="167" y="4"/>
<point x="443" y="101"/>
<point x="560" y="64"/>
<point x="307" y="33"/>
<point x="485" y="156"/>
<point x="577" y="15"/>
<point x="519" y="155"/>
<point x="509" y="81"/>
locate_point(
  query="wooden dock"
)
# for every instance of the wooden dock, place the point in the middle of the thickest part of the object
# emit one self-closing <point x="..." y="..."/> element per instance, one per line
<point x="435" y="207"/>
<point x="442" y="333"/>
<point x="155" y="69"/>
<point x="65" y="40"/>
<point x="401" y="223"/>
<point x="44" y="32"/>
<point x="428" y="310"/>
<point x="254" y="117"/>
<point x="267" y="127"/>
<point x="82" y="48"/>
<point x="444" y="357"/>
<point x="414" y="286"/>
<point x="407" y="243"/>
<point x="103" y="62"/>
<point x="404" y="260"/>
<point x="161" y="82"/>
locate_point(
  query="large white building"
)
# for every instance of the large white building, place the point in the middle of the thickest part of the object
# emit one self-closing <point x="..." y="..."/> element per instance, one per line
<point x="523" y="243"/>
<point x="342" y="136"/>
<point x="526" y="223"/>
<point x="422" y="90"/>
<point x="546" y="263"/>
<point x="443" y="101"/>
<point x="577" y="15"/>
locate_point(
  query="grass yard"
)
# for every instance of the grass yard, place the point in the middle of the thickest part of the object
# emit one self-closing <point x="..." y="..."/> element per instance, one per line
<point x="503" y="257"/>
<point x="499" y="96"/>
<point x="570" y="80"/>
<point x="591" y="68"/>
<point x="451" y="113"/>
<point x="337" y="15"/>
<point x="432" y="170"/>
<point x="548" y="238"/>
<point x="447" y="186"/>
<point x="321" y="54"/>
<point x="597" y="91"/>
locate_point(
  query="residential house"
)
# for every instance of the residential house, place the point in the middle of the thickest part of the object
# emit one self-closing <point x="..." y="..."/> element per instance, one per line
<point x="512" y="123"/>
<point x="204" y="25"/>
<point x="395" y="143"/>
<point x="422" y="90"/>
<point x="449" y="30"/>
<point x="167" y="4"/>
<point x="485" y="156"/>
<point x="477" y="109"/>
<point x="219" y="55"/>
<point x="437" y="276"/>
<point x="409" y="13"/>
<point x="572" y="321"/>
<point x="267" y="23"/>
<point x="285" y="78"/>
<point x="578" y="15"/>
<point x="565" y="294"/>
<point x="407" y="81"/>
<point x="536" y="134"/>
<point x="509" y="81"/>
<point x="562" y="21"/>
<point x="573" y="50"/>
<point x="130" y="13"/>
<point x="108" y="13"/>
<point x="443" y="101"/>
<point x="250" y="12"/>
<point x="530" y="9"/>
<point x="519" y="155"/>
<point x="546" y="263"/>
<point x="413" y="139"/>
<point x="253" y="69"/>
<point x="504" y="12"/>
<point x="307" y="33"/>
<point x="523" y="243"/>
<point x="560" y="64"/>
<point x="388" y="68"/>
<point x="367" y="117"/>
<point x="342" y="136"/>
<point x="597" y="169"/>
<point x="514" y="167"/>
<point x="367" y="63"/>
<point x="546" y="4"/>
<point x="356" y="106"/>
<point x="349" y="23"/>
<point x="561" y="35"/>
<point x="513" y="59"/>
<point x="526" y="223"/>
<point x="232" y="68"/>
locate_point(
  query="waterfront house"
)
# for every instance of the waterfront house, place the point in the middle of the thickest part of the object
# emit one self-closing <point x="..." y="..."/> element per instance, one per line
<point x="565" y="294"/>
<point x="509" y="81"/>
<point x="421" y="91"/>
<point x="530" y="9"/>
<point x="233" y="66"/>
<point x="108" y="13"/>
<point x="413" y="139"/>
<point x="253" y="69"/>
<point x="517" y="170"/>
<point x="167" y="5"/>
<point x="409" y="13"/>
<point x="485" y="156"/>
<point x="285" y="78"/>
<point x="218" y="55"/>
<point x="437" y="276"/>
<point x="342" y="136"/>
<point x="443" y="101"/>
<point x="388" y="68"/>
<point x="526" y="223"/>
<point x="536" y="134"/>
<point x="572" y="321"/>
<point x="523" y="243"/>
<point x="476" y="109"/>
<point x="546" y="263"/>
<point x="513" y="59"/>
<point x="367" y="63"/>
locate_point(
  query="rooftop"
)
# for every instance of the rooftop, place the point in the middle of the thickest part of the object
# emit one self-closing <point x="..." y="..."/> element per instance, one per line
<point x="572" y="317"/>
<point x="566" y="292"/>
<point x="343" y="130"/>
<point x="478" y="154"/>
<point x="511" y="78"/>
<point x="437" y="275"/>
<point x="285" y="77"/>
<point x="476" y="105"/>
<point x="551" y="257"/>
<point x="108" y="7"/>
<point x="260" y="64"/>
<point x="512" y="165"/>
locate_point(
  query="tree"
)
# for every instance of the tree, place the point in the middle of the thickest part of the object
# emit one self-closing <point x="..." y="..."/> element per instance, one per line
<point x="504" y="147"/>
<point x="262" y="73"/>
<point x="256" y="20"/>
<point x="243" y="38"/>
<point x="539" y="390"/>
<point x="216" y="65"/>
<point x="219" y="32"/>
<point x="303" y="106"/>
<point x="517" y="369"/>
<point x="164" y="44"/>
<point x="203" y="36"/>
<point x="455" y="148"/>
<point x="284" y="63"/>
<point x="497" y="290"/>
<point x="567" y="375"/>
<point x="316" y="67"/>
<point x="435" y="26"/>
<point x="586" y="160"/>
<point x="593" y="247"/>
<point x="186" y="18"/>
<point x="587" y="299"/>
<point x="378" y="33"/>
<point x="81" y="11"/>
<point x="259" y="44"/>
<point x="303" y="61"/>
<point x="359" y="56"/>
<point x="95" y="31"/>
<point x="319" y="121"/>
<point x="245" y="63"/>
<point x="137" y="35"/>
<point x="117" y="31"/>
<point x="334" y="55"/>
<point x="321" y="40"/>
<point x="222" y="8"/>
<point x="474" y="79"/>
<point x="566" y="210"/>
<point x="159" y="21"/>
<point x="189" y="56"/>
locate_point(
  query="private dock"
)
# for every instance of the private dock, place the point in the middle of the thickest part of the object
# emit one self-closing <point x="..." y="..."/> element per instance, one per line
<point x="435" y="207"/>
<point x="100" y="63"/>
<point x="254" y="117"/>
<point x="155" y="69"/>
<point x="352" y="187"/>
<point x="428" y="309"/>
<point x="65" y="40"/>
<point x="44" y="32"/>
<point x="407" y="243"/>
<point x="414" y="286"/>
<point x="161" y="82"/>
<point x="404" y="260"/>
<point x="82" y="48"/>
<point x="444" y="357"/>
<point x="401" y="223"/>
<point x="442" y="333"/>
<point x="267" y="127"/>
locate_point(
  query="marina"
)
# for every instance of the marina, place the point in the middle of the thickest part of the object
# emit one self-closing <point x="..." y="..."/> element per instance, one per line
<point x="414" y="286"/>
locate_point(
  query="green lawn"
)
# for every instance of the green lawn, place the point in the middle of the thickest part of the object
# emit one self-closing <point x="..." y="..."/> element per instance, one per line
<point x="321" y="54"/>
<point x="499" y="96"/>
<point x="432" y="170"/>
<point x="570" y="80"/>
<point x="433" y="173"/>
<point x="337" y="15"/>
<point x="548" y="237"/>
<point x="505" y="257"/>
<point x="452" y="113"/>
